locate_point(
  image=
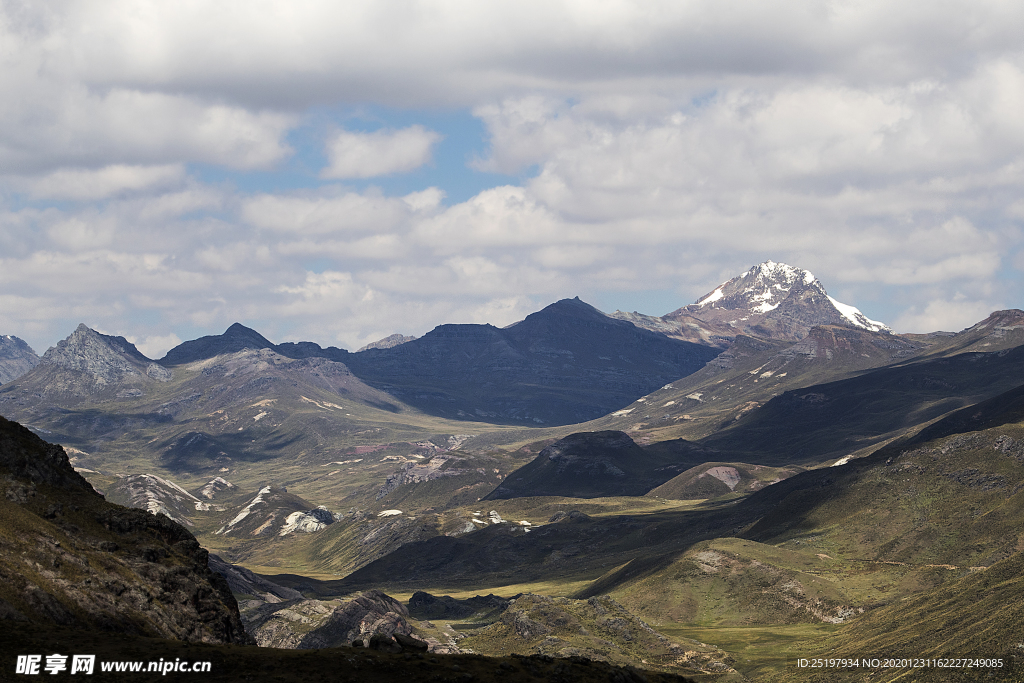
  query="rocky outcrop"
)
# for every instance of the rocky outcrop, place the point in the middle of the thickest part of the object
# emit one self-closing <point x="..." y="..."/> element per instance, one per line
<point x="156" y="495"/>
<point x="16" y="358"/>
<point x="215" y="486"/>
<point x="316" y="624"/>
<point x="388" y="342"/>
<point x="418" y="472"/>
<point x="70" y="558"/>
<point x="711" y="480"/>
<point x="306" y="522"/>
<point x="274" y="511"/>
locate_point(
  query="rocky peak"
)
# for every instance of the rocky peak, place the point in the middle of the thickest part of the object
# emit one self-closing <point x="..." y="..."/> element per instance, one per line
<point x="1004" y="320"/>
<point x="215" y="486"/>
<point x="107" y="358"/>
<point x="16" y="358"/>
<point x="388" y="342"/>
<point x="562" y="309"/>
<point x="759" y="290"/>
<point x="236" y="338"/>
<point x="775" y="300"/>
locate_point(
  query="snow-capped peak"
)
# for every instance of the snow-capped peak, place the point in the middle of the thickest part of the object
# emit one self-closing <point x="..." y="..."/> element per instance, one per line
<point x="761" y="289"/>
<point x="770" y="270"/>
<point x="750" y="300"/>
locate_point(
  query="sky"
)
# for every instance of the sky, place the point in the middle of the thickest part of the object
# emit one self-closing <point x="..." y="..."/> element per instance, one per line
<point x="338" y="172"/>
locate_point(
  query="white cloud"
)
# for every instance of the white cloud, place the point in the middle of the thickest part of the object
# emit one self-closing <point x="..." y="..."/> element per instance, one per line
<point x="366" y="155"/>
<point x="949" y="315"/>
<point x="675" y="144"/>
<point x="101" y="183"/>
<point x="156" y="346"/>
<point x="319" y="214"/>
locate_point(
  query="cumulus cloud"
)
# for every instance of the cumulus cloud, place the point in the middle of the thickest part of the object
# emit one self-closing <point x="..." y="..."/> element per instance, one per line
<point x="665" y="147"/>
<point x="366" y="155"/>
<point x="91" y="184"/>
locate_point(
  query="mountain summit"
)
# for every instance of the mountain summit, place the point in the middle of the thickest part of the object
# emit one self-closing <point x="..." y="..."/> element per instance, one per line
<point x="235" y="339"/>
<point x="775" y="300"/>
<point x="16" y="358"/>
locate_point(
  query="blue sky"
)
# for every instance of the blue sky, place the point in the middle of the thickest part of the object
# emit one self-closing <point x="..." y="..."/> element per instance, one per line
<point x="338" y="173"/>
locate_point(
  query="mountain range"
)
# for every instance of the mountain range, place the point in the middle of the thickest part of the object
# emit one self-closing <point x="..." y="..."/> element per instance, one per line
<point x="806" y="479"/>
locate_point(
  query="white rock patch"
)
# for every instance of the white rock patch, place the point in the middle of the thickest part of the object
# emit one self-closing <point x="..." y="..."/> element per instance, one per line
<point x="729" y="476"/>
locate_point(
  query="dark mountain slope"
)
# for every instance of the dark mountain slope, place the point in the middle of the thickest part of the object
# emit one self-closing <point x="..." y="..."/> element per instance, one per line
<point x="597" y="464"/>
<point x="999" y="410"/>
<point x="565" y="364"/>
<point x="235" y="339"/>
<point x="838" y="418"/>
<point x="69" y="558"/>
<point x="750" y="372"/>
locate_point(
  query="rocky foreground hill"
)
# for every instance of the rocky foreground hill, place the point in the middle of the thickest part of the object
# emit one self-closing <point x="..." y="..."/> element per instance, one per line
<point x="69" y="558"/>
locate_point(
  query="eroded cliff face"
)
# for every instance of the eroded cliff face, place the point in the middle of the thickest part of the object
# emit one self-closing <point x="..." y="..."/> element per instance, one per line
<point x="70" y="558"/>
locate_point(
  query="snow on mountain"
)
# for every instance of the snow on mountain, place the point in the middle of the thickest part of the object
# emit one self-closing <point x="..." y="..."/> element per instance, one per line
<point x="858" y="319"/>
<point x="775" y="300"/>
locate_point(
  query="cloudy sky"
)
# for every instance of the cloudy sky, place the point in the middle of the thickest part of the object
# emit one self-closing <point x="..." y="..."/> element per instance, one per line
<point x="337" y="172"/>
